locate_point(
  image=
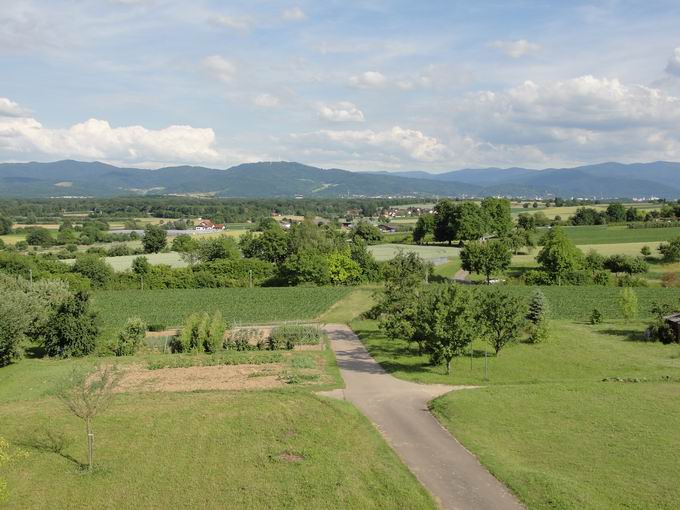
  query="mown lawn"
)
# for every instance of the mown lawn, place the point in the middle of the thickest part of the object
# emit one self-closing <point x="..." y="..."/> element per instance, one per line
<point x="574" y="446"/>
<point x="547" y="424"/>
<point x="575" y="353"/>
<point x="253" y="449"/>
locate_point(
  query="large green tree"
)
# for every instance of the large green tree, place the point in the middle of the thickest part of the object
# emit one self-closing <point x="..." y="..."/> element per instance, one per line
<point x="498" y="216"/>
<point x="155" y="239"/>
<point x="559" y="255"/>
<point x="486" y="258"/>
<point x="424" y="227"/>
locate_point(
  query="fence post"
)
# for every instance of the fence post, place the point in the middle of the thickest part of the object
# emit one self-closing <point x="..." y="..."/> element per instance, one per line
<point x="486" y="369"/>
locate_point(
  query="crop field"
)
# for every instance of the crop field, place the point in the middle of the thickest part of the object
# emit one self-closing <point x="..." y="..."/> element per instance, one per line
<point x="619" y="234"/>
<point x="576" y="303"/>
<point x="12" y="238"/>
<point x="388" y="251"/>
<point x="171" y="306"/>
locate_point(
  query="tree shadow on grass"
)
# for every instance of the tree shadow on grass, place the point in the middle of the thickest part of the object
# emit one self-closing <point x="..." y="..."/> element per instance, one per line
<point x="629" y="335"/>
<point x="35" y="352"/>
<point x="49" y="441"/>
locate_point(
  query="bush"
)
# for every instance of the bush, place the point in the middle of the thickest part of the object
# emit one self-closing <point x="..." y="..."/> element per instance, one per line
<point x="130" y="338"/>
<point x="214" y="333"/>
<point x="595" y="317"/>
<point x="290" y="335"/>
<point x="669" y="280"/>
<point x="243" y="339"/>
<point x="94" y="268"/>
<point x="72" y="330"/>
<point x="539" y="332"/>
<point x="629" y="304"/>
<point x="631" y="281"/>
<point x="156" y="326"/>
<point x="200" y="333"/>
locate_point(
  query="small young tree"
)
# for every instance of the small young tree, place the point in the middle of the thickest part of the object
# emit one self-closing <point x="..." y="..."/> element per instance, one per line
<point x="646" y="251"/>
<point x="86" y="396"/>
<point x="454" y="324"/>
<point x="502" y="316"/>
<point x="538" y="307"/>
<point x="131" y="337"/>
<point x="140" y="265"/>
<point x="629" y="303"/>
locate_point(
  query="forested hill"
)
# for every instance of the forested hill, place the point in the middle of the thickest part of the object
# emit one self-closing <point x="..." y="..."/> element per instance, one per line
<point x="285" y="179"/>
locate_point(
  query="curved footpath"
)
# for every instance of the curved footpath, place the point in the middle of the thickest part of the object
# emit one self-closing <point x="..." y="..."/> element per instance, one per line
<point x="400" y="411"/>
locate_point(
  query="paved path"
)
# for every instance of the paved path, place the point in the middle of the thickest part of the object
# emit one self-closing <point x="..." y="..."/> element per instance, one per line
<point x="399" y="409"/>
<point x="461" y="276"/>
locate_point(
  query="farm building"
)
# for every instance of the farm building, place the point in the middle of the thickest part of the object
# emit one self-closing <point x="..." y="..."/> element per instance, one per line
<point x="386" y="229"/>
<point x="204" y="225"/>
<point x="673" y="322"/>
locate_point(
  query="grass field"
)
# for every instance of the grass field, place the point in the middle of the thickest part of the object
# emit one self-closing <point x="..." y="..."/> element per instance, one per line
<point x="388" y="251"/>
<point x="574" y="446"/>
<point x="619" y="234"/>
<point x="255" y="449"/>
<point x="278" y="448"/>
<point x="548" y="426"/>
<point x="170" y="307"/>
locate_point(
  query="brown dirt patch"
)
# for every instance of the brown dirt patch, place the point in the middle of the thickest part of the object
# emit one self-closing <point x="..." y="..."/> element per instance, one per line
<point x="137" y="378"/>
<point x="290" y="457"/>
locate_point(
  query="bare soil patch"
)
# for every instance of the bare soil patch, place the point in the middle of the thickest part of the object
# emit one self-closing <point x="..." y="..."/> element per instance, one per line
<point x="136" y="378"/>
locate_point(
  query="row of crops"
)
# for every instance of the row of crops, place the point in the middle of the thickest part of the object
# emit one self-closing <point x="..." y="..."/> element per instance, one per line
<point x="577" y="303"/>
<point x="170" y="307"/>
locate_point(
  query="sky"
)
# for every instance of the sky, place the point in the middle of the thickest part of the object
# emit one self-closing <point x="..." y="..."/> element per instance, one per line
<point x="364" y="85"/>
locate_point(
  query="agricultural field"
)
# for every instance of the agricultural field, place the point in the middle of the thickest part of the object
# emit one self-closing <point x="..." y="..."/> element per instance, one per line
<point x="388" y="251"/>
<point x="562" y="437"/>
<point x="12" y="239"/>
<point x="619" y="234"/>
<point x="171" y="306"/>
<point x="124" y="263"/>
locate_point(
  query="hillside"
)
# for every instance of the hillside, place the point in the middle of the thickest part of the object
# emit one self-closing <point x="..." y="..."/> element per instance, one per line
<point x="286" y="179"/>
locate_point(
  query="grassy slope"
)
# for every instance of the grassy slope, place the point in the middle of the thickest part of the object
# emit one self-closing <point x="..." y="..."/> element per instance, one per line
<point x="204" y="449"/>
<point x="574" y="446"/>
<point x="546" y="424"/>
<point x="209" y="450"/>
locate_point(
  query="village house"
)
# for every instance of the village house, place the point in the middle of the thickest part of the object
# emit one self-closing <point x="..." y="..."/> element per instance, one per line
<point x="207" y="225"/>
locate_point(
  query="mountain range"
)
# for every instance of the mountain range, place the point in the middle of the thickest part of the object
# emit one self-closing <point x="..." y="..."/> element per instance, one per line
<point x="287" y="179"/>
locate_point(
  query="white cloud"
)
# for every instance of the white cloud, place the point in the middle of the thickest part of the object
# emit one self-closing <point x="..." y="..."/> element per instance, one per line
<point x="673" y="66"/>
<point x="242" y="24"/>
<point x="343" y="111"/>
<point x="516" y="49"/>
<point x="266" y="101"/>
<point x="97" y="139"/>
<point x="389" y="145"/>
<point x="220" y="67"/>
<point x="10" y="108"/>
<point x="293" y="14"/>
<point x="583" y="119"/>
<point x="368" y="79"/>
